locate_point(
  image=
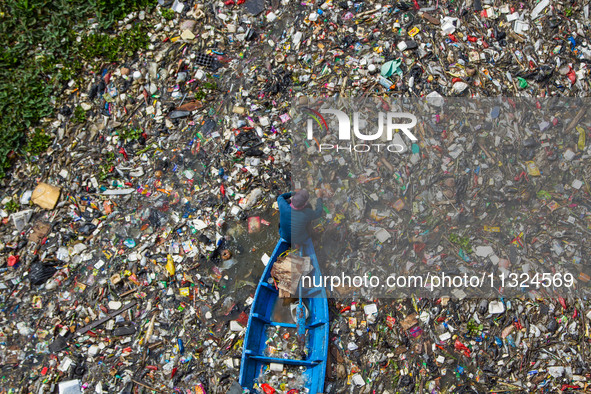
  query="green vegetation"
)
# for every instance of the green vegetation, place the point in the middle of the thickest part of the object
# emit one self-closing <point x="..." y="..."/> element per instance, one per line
<point x="130" y="134"/>
<point x="474" y="329"/>
<point x="463" y="242"/>
<point x="43" y="48"/>
<point x="202" y="92"/>
<point x="167" y="14"/>
<point x="113" y="48"/>
<point x="106" y="166"/>
<point x="144" y="150"/>
<point x="11" y="206"/>
<point x="79" y="115"/>
<point x="210" y="85"/>
<point x="38" y="142"/>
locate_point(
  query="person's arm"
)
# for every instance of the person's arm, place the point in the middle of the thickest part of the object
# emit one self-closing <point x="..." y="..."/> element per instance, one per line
<point x="315" y="214"/>
<point x="285" y="196"/>
<point x="282" y="199"/>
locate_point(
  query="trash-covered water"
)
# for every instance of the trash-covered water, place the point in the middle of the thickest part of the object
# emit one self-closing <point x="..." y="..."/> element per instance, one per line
<point x="126" y="260"/>
<point x="247" y="250"/>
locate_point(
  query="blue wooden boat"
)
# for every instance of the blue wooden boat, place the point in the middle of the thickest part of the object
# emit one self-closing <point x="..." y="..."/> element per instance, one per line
<point x="254" y="360"/>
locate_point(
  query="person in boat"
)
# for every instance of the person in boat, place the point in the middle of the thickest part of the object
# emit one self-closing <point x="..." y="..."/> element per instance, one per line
<point x="296" y="215"/>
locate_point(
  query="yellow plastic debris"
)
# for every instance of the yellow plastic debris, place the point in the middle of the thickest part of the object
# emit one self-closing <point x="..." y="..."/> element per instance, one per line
<point x="581" y="143"/>
<point x="170" y="265"/>
<point x="532" y="168"/>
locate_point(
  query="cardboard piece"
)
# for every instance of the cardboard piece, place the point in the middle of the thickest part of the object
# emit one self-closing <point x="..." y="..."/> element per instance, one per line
<point x="288" y="271"/>
<point x="46" y="196"/>
<point x="409" y="321"/>
<point x="40" y="230"/>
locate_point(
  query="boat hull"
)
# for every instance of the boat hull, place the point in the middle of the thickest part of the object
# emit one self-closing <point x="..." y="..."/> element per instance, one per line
<point x="261" y="317"/>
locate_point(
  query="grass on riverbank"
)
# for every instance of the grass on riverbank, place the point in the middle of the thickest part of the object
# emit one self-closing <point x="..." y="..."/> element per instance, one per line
<point x="45" y="45"/>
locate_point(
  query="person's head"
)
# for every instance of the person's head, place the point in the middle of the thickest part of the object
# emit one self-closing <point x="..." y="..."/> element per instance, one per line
<point x="299" y="200"/>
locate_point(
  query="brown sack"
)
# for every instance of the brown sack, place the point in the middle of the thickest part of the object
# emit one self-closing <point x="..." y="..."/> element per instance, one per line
<point x="288" y="271"/>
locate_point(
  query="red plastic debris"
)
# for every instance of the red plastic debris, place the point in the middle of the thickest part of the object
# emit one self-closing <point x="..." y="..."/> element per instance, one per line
<point x="572" y="76"/>
<point x="123" y="152"/>
<point x="13" y="260"/>
<point x="460" y="347"/>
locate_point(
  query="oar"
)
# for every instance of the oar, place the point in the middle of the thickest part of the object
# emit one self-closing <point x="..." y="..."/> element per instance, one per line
<point x="301" y="314"/>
